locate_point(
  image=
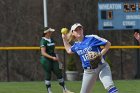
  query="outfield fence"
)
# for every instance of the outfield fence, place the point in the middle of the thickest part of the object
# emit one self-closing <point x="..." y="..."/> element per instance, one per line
<point x="7" y="49"/>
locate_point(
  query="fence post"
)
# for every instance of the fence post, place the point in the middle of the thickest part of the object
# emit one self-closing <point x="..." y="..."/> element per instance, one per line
<point x="121" y="65"/>
<point x="64" y="63"/>
<point x="7" y="66"/>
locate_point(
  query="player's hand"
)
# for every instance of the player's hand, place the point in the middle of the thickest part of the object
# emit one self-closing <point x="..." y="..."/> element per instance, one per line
<point x="64" y="36"/>
<point x="137" y="36"/>
<point x="55" y="59"/>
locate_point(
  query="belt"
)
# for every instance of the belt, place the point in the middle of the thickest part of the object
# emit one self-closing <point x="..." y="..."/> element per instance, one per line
<point x="87" y="68"/>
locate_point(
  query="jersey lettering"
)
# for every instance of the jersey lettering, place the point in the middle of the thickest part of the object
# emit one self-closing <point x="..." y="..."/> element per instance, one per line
<point x="85" y="57"/>
<point x="81" y="52"/>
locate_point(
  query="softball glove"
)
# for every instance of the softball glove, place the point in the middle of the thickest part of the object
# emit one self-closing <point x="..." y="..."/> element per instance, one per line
<point x="95" y="59"/>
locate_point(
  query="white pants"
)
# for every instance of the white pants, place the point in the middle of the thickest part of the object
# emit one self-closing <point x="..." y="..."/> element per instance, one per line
<point x="90" y="76"/>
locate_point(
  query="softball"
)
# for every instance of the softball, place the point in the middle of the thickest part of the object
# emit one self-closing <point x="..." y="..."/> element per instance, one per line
<point x="64" y="30"/>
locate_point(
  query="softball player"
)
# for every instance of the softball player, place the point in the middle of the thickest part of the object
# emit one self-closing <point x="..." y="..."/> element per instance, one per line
<point x="137" y="36"/>
<point x="84" y="44"/>
<point x="49" y="61"/>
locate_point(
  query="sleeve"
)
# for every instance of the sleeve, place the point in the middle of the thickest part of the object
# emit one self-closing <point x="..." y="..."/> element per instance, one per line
<point x="42" y="43"/>
<point x="98" y="41"/>
<point x="73" y="49"/>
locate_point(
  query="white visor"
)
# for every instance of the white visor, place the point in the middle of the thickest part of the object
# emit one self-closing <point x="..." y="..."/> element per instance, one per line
<point x="73" y="27"/>
<point x="50" y="29"/>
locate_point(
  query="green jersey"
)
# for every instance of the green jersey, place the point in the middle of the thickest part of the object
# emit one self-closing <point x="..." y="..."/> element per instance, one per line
<point x="49" y="44"/>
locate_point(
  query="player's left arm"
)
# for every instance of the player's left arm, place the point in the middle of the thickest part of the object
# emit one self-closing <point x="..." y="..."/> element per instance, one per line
<point x="99" y="41"/>
<point x="106" y="48"/>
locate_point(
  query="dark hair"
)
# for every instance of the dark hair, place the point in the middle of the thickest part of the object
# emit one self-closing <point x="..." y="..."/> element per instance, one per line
<point x="43" y="34"/>
<point x="45" y="28"/>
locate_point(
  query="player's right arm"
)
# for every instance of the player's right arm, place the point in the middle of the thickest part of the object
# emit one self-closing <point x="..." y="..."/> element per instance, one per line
<point x="66" y="44"/>
<point x="43" y="53"/>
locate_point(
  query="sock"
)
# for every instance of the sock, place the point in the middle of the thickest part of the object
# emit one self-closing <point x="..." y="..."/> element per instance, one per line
<point x="62" y="83"/>
<point x="48" y="86"/>
<point x="113" y="89"/>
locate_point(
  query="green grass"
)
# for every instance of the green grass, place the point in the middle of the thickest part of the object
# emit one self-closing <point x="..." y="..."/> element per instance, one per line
<point x="124" y="86"/>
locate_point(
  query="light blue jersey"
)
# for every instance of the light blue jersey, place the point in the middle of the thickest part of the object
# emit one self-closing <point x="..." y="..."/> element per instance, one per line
<point x="89" y="43"/>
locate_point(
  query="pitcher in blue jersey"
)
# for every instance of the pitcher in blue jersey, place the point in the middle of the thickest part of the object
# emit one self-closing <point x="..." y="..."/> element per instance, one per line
<point x="84" y="44"/>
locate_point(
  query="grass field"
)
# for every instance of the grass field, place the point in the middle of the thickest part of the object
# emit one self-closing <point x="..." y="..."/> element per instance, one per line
<point x="124" y="86"/>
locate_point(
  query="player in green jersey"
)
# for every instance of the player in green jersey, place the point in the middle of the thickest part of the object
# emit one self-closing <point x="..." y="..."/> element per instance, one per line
<point x="49" y="60"/>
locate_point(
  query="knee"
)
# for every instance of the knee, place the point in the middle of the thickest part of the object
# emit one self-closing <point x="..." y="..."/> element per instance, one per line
<point x="47" y="82"/>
